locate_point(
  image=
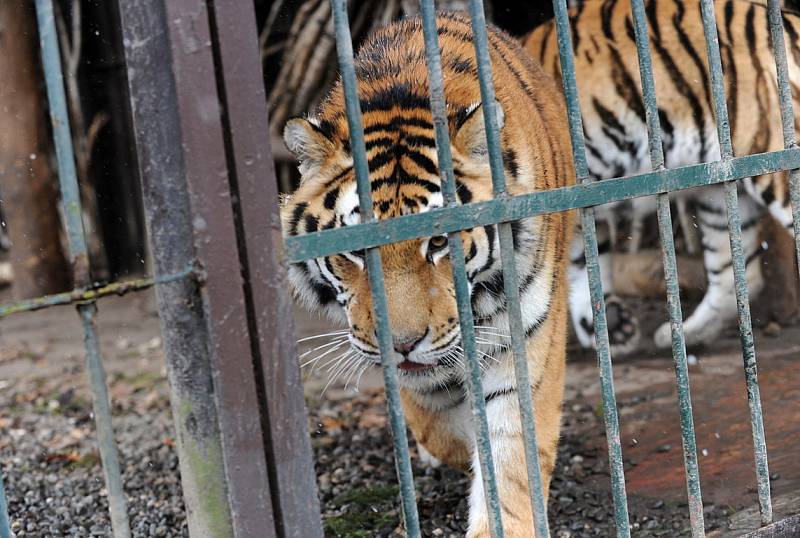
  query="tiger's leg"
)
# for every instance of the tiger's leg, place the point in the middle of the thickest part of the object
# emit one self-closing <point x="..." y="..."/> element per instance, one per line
<point x="688" y="228"/>
<point x="718" y="307"/>
<point x="508" y="454"/>
<point x="637" y="230"/>
<point x="441" y="426"/>
<point x="623" y="328"/>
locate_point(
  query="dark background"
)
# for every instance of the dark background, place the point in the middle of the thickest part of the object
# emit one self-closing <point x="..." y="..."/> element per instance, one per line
<point x="103" y="90"/>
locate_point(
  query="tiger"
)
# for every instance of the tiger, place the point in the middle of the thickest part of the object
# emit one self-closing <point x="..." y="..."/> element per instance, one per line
<point x="405" y="179"/>
<point x="607" y="71"/>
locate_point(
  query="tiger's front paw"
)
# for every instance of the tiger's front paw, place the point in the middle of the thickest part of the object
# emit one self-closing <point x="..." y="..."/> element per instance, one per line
<point x="623" y="327"/>
<point x="697" y="331"/>
<point x="663" y="336"/>
<point x="513" y="528"/>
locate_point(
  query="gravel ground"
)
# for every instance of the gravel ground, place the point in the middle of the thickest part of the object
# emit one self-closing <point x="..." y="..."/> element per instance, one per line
<point x="52" y="470"/>
<point x="358" y="487"/>
<point x="54" y="480"/>
<point x="55" y="485"/>
<point x="63" y="494"/>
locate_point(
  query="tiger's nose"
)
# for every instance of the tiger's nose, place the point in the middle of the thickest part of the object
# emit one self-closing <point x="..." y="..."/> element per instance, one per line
<point x="406" y="346"/>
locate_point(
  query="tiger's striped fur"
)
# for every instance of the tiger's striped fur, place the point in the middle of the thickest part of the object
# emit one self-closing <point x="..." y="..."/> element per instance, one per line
<point x="393" y="89"/>
<point x="616" y="137"/>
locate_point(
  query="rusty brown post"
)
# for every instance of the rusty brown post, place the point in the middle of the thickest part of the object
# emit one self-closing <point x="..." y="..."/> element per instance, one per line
<point x="199" y="113"/>
<point x="254" y="186"/>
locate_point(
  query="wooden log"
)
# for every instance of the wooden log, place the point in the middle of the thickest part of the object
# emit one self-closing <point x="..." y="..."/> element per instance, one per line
<point x="27" y="188"/>
<point x="642" y="274"/>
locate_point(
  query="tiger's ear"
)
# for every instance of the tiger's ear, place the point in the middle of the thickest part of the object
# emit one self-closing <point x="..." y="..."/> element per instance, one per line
<point x="308" y="143"/>
<point x="470" y="137"/>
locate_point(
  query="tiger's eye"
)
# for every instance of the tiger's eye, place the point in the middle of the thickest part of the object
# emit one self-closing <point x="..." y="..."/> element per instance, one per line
<point x="437" y="242"/>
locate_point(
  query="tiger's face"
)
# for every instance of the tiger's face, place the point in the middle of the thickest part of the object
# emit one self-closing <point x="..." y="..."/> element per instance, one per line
<point x="404" y="176"/>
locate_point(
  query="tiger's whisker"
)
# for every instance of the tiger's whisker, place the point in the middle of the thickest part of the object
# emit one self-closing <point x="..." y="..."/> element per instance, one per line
<point x="323" y="354"/>
<point x="352" y="371"/>
<point x="364" y="368"/>
<point x="341" y="367"/>
<point x="332" y="342"/>
<point x="323" y="335"/>
<point x="491" y="333"/>
<point x="331" y="362"/>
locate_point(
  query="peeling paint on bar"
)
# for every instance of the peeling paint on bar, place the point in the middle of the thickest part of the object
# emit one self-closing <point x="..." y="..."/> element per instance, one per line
<point x="737" y="255"/>
<point x="344" y="48"/>
<point x="70" y="195"/>
<point x="467" y="216"/>
<point x="787" y="110"/>
<point x="670" y="275"/>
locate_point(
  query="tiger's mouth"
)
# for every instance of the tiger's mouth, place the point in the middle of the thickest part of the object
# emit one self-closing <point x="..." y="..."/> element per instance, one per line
<point x="410" y="366"/>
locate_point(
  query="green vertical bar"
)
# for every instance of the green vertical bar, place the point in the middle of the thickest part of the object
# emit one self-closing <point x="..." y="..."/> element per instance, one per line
<point x="510" y="278"/>
<point x="475" y="385"/>
<point x="737" y="253"/>
<point x="71" y="203"/>
<point x="670" y="275"/>
<point x="67" y="177"/>
<point x="5" y="527"/>
<point x="787" y="110"/>
<point x="593" y="269"/>
<point x="344" y="48"/>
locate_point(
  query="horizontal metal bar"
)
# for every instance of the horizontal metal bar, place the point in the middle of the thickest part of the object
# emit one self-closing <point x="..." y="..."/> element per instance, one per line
<point x="440" y="221"/>
<point x="82" y="295"/>
<point x="788" y="527"/>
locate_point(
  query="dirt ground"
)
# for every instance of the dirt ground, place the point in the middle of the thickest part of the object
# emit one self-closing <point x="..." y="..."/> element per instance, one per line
<point x="46" y="431"/>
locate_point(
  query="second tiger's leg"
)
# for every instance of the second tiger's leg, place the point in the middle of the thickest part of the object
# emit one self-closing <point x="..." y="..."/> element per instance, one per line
<point x="718" y="307"/>
<point x="623" y="328"/>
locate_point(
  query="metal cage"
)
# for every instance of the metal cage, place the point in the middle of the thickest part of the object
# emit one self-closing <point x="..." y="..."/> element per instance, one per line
<point x="197" y="101"/>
